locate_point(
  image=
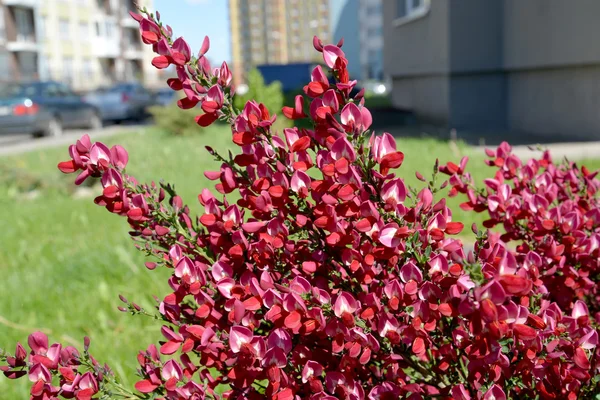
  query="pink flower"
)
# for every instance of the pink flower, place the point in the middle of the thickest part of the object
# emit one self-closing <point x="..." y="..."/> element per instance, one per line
<point x="331" y="54"/>
<point x="238" y="337"/>
<point x="319" y="83"/>
<point x="297" y="111"/>
<point x="384" y="151"/>
<point x="393" y="192"/>
<point x="343" y="149"/>
<point x="494" y="393"/>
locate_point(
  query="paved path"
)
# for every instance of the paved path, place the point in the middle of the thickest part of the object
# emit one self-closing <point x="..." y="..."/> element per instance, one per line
<point x="572" y="151"/>
<point x="15" y="145"/>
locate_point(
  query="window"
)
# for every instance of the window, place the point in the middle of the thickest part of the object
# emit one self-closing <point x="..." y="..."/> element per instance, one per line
<point x="407" y="10"/>
<point x="67" y="71"/>
<point x="101" y="4"/>
<point x="43" y="66"/>
<point x="64" y="90"/>
<point x="98" y="30"/>
<point x="109" y="29"/>
<point x="87" y="69"/>
<point x="49" y="89"/>
<point x="42" y="27"/>
<point x="4" y="65"/>
<point x="2" y="29"/>
<point x="27" y="62"/>
<point x="375" y="31"/>
<point x="63" y="28"/>
<point x="24" y="22"/>
<point x="374" y="9"/>
<point x="84" y="31"/>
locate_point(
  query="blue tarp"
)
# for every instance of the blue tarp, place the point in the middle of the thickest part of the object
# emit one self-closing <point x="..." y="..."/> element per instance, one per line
<point x="291" y="76"/>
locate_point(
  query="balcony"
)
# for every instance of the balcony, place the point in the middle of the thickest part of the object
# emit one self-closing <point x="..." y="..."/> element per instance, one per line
<point x="108" y="72"/>
<point x="105" y="47"/>
<point x="126" y="20"/>
<point x="22" y="3"/>
<point x="133" y="53"/>
<point x="104" y="6"/>
<point x="133" y="71"/>
<point x="106" y="42"/>
<point x="23" y="46"/>
<point x="132" y="45"/>
<point x="23" y="37"/>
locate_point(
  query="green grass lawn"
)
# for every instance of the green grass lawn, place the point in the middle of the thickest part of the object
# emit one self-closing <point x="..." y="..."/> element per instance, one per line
<point x="64" y="260"/>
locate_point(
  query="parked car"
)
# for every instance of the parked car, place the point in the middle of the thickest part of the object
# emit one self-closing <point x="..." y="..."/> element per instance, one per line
<point x="164" y="97"/>
<point x="44" y="109"/>
<point x="123" y="101"/>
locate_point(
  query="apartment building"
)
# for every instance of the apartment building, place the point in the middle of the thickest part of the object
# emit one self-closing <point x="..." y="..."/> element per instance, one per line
<point x="19" y="42"/>
<point x="526" y="66"/>
<point x="370" y="17"/>
<point x="91" y="43"/>
<point x="275" y="32"/>
<point x="85" y="43"/>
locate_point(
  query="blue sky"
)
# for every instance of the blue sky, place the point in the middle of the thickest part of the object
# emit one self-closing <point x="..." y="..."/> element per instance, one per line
<point x="193" y="19"/>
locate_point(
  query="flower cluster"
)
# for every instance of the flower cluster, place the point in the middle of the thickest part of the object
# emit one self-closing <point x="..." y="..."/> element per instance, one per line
<point x="328" y="278"/>
<point x="56" y="370"/>
<point x="547" y="209"/>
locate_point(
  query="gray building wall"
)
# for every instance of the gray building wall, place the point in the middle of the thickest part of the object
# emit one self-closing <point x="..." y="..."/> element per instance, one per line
<point x="477" y="81"/>
<point x="552" y="60"/>
<point x="416" y="48"/>
<point x="542" y="33"/>
<point x="529" y="66"/>
<point x="556" y="101"/>
<point x="429" y="94"/>
<point x="475" y="35"/>
<point x="419" y="73"/>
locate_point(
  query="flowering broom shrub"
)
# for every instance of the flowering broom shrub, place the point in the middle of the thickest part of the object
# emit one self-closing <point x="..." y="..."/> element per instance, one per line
<point x="550" y="209"/>
<point x="328" y="278"/>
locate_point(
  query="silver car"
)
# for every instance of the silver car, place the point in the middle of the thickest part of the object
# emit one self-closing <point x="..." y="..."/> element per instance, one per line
<point x="124" y="101"/>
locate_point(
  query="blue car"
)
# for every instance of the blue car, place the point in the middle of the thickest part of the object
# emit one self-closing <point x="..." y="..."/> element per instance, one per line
<point x="44" y="109"/>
